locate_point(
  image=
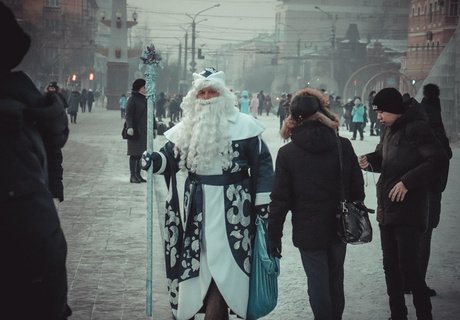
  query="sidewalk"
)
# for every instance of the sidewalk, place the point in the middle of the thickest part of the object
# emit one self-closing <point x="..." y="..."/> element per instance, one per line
<point x="103" y="217"/>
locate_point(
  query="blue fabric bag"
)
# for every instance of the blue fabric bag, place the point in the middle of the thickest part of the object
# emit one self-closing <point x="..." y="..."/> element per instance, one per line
<point x="263" y="284"/>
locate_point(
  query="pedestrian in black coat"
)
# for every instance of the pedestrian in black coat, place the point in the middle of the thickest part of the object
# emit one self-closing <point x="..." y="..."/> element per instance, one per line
<point x="33" y="280"/>
<point x="431" y="105"/>
<point x="307" y="183"/>
<point x="90" y="99"/>
<point x="136" y="122"/>
<point x="73" y="103"/>
<point x="409" y="159"/>
<point x="375" y="125"/>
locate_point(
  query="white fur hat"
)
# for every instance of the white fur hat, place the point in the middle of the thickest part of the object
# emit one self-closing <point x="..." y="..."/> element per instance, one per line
<point x="209" y="77"/>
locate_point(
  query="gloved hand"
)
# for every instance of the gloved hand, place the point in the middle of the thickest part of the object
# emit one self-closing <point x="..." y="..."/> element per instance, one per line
<point x="130" y="131"/>
<point x="146" y="160"/>
<point x="274" y="248"/>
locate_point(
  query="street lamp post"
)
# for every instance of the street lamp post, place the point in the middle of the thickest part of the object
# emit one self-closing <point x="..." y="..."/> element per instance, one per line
<point x="193" y="63"/>
<point x="150" y="59"/>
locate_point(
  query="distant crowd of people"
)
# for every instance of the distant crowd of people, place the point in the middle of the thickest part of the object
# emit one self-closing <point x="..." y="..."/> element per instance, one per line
<point x="74" y="99"/>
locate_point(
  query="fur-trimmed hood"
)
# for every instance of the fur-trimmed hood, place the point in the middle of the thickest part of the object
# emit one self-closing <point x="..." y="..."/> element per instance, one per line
<point x="323" y="115"/>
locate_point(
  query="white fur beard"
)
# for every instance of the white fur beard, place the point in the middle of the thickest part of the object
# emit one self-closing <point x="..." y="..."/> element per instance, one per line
<point x="205" y="136"/>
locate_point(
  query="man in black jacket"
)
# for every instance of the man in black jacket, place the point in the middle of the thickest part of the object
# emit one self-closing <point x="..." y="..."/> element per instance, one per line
<point x="409" y="159"/>
<point x="33" y="129"/>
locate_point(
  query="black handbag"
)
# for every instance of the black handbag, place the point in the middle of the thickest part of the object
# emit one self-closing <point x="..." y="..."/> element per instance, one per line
<point x="125" y="135"/>
<point x="353" y="224"/>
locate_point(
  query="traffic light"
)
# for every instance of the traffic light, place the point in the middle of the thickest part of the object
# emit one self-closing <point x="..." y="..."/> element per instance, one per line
<point x="200" y="56"/>
<point x="73" y="77"/>
<point x="91" y="76"/>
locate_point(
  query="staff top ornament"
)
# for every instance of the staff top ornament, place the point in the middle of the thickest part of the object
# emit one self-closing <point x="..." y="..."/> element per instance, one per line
<point x="151" y="56"/>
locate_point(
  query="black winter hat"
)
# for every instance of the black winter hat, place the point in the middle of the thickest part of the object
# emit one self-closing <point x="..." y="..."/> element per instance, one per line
<point x="303" y="106"/>
<point x="53" y="84"/>
<point x="431" y="91"/>
<point x="389" y="100"/>
<point x="138" y="84"/>
<point x="12" y="34"/>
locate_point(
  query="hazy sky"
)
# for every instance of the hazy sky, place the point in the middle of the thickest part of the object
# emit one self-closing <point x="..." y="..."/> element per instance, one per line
<point x="233" y="21"/>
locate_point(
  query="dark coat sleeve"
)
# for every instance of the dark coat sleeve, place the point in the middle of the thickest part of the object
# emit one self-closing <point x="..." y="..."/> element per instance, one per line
<point x="55" y="132"/>
<point x="280" y="199"/>
<point x="434" y="158"/>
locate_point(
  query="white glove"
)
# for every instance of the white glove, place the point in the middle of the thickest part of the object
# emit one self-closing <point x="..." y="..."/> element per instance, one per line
<point x="130" y="131"/>
<point x="146" y="161"/>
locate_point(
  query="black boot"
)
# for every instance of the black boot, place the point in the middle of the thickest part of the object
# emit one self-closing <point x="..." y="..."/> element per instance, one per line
<point x="132" y="168"/>
<point x="138" y="171"/>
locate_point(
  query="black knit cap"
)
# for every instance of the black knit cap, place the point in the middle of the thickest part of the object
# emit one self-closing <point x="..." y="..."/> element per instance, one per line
<point x="138" y="84"/>
<point x="53" y="84"/>
<point x="389" y="100"/>
<point x="431" y="91"/>
<point x="17" y="40"/>
<point x="303" y="106"/>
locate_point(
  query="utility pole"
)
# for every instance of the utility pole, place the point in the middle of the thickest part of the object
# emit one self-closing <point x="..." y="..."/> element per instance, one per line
<point x="194" y="23"/>
<point x="185" y="56"/>
<point x="333" y="18"/>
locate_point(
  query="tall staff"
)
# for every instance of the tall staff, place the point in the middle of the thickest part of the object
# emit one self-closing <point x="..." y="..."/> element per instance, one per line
<point x="150" y="59"/>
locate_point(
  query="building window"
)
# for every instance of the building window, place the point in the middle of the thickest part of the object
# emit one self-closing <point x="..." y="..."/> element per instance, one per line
<point x="418" y="10"/>
<point x="453" y="8"/>
<point x="413" y="11"/>
<point x="51" y="3"/>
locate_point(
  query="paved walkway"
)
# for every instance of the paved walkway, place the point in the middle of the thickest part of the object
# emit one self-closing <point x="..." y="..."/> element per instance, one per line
<point x="103" y="217"/>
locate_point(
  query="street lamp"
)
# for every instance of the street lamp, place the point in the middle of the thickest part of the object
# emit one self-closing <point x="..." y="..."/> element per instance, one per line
<point x="193" y="63"/>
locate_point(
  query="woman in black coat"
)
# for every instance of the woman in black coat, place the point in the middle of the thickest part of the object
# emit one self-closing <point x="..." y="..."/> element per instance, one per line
<point x="307" y="183"/>
<point x="33" y="129"/>
<point x="136" y="122"/>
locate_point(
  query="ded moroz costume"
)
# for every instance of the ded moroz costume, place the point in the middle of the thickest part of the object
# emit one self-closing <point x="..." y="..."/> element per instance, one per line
<point x="229" y="180"/>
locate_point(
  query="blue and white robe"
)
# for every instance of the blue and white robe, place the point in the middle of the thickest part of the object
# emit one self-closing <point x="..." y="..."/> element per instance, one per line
<point x="212" y="240"/>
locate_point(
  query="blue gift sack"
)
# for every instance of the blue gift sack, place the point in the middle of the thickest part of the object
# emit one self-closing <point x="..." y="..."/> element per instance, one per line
<point x="263" y="284"/>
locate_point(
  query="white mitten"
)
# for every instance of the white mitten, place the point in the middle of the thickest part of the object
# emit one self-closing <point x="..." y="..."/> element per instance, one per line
<point x="130" y="131"/>
<point x="146" y="161"/>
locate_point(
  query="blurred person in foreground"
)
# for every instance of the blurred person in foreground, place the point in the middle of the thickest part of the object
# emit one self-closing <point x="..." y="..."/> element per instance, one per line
<point x="409" y="159"/>
<point x="33" y="129"/>
<point x="307" y="183"/>
<point x="208" y="248"/>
